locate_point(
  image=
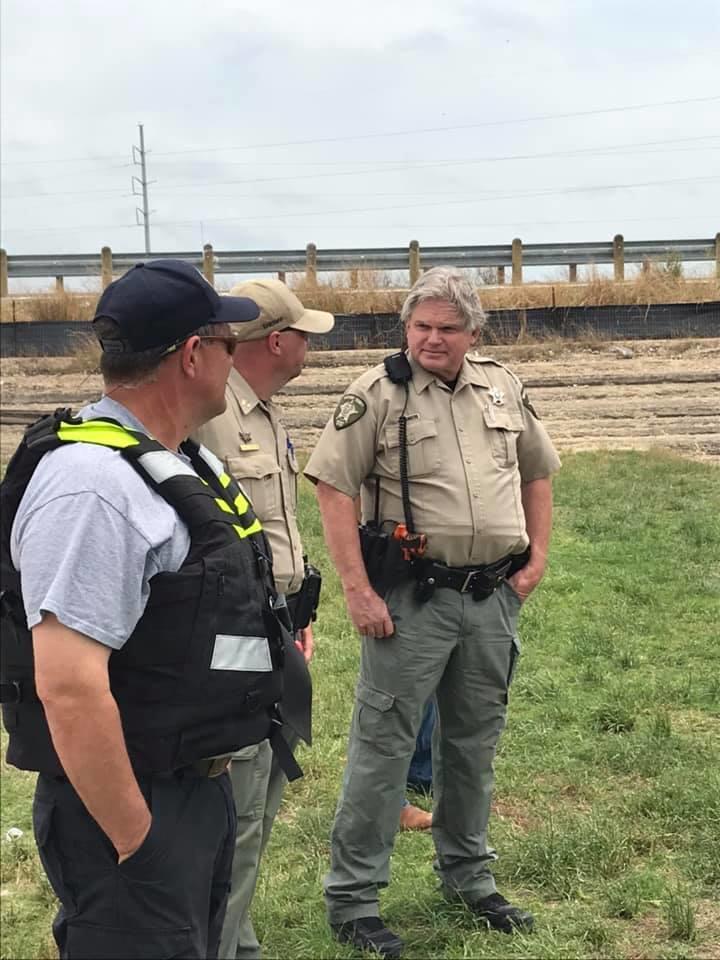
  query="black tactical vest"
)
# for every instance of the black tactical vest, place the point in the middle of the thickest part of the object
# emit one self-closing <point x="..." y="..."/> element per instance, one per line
<point x="202" y="672"/>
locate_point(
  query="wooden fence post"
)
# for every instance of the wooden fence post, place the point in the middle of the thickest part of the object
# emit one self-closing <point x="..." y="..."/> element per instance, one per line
<point x="3" y="273"/>
<point x="414" y="262"/>
<point x="208" y="268"/>
<point x="354" y="278"/>
<point x="618" y="257"/>
<point x="717" y="259"/>
<point x="501" y="276"/>
<point x="59" y="284"/>
<point x="281" y="276"/>
<point x="572" y="272"/>
<point x="517" y="261"/>
<point x="311" y="265"/>
<point x="105" y="266"/>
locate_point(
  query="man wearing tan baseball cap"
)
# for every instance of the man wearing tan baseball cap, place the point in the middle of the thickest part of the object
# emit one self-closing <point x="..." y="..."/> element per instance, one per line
<point x="280" y="310"/>
<point x="256" y="450"/>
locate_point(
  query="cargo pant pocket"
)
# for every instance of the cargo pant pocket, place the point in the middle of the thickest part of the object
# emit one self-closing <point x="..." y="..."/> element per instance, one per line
<point x="88" y="942"/>
<point x="43" y="814"/>
<point x="376" y="720"/>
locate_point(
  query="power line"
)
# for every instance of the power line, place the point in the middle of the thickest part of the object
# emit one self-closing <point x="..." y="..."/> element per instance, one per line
<point x="398" y="133"/>
<point x="603" y="150"/>
<point x="462" y="126"/>
<point x="545" y="192"/>
<point x="391" y="226"/>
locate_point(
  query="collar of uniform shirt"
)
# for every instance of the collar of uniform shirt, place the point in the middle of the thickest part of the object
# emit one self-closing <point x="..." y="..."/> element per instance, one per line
<point x="469" y="373"/>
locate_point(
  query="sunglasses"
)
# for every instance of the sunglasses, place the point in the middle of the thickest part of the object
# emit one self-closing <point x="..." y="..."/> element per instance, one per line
<point x="230" y="341"/>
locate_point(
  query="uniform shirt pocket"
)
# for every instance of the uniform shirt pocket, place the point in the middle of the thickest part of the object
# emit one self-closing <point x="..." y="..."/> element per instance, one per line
<point x="504" y="427"/>
<point x="422" y="444"/>
<point x="259" y="475"/>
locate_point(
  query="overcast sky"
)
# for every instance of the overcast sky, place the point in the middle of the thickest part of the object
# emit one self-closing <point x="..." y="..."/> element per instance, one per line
<point x="272" y="123"/>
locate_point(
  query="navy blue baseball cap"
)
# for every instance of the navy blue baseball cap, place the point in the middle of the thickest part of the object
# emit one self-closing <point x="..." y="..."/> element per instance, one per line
<point x="159" y="303"/>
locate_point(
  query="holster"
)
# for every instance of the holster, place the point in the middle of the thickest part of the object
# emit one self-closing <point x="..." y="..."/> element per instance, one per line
<point x="383" y="559"/>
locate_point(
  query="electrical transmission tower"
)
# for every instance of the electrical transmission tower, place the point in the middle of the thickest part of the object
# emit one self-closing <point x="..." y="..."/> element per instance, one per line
<point x="138" y="155"/>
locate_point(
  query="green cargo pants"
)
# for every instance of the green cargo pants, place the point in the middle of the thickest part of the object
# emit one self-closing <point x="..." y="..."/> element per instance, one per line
<point x="463" y="651"/>
<point x="258" y="784"/>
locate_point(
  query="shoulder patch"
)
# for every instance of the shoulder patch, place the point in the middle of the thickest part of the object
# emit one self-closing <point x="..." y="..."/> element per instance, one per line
<point x="350" y="409"/>
<point x="526" y="403"/>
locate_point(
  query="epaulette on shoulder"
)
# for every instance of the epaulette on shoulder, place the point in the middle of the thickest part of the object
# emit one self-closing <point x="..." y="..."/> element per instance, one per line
<point x="476" y="358"/>
<point x="371" y="376"/>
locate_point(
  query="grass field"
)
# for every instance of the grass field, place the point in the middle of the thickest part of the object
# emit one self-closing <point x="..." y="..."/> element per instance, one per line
<point x="607" y="813"/>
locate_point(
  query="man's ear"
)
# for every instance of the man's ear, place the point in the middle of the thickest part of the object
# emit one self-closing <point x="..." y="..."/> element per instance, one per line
<point x="189" y="356"/>
<point x="474" y="337"/>
<point x="273" y="342"/>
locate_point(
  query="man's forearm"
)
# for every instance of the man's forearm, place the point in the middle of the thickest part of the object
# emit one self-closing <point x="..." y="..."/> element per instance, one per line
<point x="84" y="722"/>
<point x="88" y="738"/>
<point x="339" y="517"/>
<point x="366" y="609"/>
<point x="538" y="506"/>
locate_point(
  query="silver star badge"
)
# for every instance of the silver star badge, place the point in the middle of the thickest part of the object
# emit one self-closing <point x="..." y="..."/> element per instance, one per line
<point x="497" y="396"/>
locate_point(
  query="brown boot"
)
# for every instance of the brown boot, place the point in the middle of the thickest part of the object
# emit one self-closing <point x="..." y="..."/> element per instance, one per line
<point x="413" y="818"/>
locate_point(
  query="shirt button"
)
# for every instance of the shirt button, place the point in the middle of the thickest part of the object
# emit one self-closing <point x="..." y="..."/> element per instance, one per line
<point x="468" y="460"/>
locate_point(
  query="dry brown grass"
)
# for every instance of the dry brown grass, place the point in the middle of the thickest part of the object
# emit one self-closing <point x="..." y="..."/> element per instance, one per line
<point x="372" y="294"/>
<point x="373" y="291"/>
<point x="54" y="307"/>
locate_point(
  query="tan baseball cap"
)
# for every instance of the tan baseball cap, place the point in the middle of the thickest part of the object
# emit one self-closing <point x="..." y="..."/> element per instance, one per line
<point x="280" y="309"/>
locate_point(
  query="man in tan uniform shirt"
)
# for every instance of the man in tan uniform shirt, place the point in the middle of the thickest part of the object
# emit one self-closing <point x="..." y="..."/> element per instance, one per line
<point x="256" y="450"/>
<point x="479" y="464"/>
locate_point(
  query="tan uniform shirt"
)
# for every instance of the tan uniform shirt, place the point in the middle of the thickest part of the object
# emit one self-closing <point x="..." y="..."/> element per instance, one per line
<point x="469" y="450"/>
<point x="256" y="450"/>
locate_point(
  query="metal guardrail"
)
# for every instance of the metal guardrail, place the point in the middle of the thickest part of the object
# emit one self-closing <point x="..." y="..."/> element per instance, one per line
<point x="412" y="258"/>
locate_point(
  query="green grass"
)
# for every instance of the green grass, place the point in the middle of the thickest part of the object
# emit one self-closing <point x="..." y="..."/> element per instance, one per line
<point x="608" y="776"/>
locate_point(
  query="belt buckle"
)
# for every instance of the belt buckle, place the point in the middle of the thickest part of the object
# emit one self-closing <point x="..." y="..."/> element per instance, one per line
<point x="218" y="765"/>
<point x="468" y="582"/>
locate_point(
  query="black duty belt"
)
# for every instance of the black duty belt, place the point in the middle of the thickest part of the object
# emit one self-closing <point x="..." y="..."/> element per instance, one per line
<point x="481" y="581"/>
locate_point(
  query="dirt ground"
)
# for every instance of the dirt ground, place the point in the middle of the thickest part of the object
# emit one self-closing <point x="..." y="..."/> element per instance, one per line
<point x="590" y="395"/>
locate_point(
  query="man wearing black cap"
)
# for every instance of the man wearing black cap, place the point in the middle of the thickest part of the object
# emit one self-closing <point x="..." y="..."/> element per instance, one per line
<point x="139" y="644"/>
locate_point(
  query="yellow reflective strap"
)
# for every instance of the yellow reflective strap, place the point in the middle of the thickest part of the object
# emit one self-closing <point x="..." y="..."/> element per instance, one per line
<point x="223" y="505"/>
<point x="241" y="504"/>
<point x="243" y="532"/>
<point x="96" y="431"/>
<point x="224" y="479"/>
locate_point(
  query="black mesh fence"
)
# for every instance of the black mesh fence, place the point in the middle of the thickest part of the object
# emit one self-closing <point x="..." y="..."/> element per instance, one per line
<point x="656" y="321"/>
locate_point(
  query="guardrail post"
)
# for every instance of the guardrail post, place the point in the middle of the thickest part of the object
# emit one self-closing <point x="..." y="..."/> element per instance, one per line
<point x="311" y="265"/>
<point x="517" y="261"/>
<point x="646" y="266"/>
<point x="105" y="266"/>
<point x="59" y="284"/>
<point x="572" y="272"/>
<point x="414" y="262"/>
<point x="501" y="276"/>
<point x="3" y="273"/>
<point x="208" y="267"/>
<point x="717" y="259"/>
<point x="354" y="278"/>
<point x="281" y="276"/>
<point x="618" y="257"/>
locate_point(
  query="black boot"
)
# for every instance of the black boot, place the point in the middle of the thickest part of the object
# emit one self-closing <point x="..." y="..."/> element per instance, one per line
<point x="501" y="915"/>
<point x="369" y="933"/>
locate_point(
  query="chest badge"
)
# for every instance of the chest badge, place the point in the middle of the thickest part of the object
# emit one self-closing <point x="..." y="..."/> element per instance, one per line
<point x="246" y="444"/>
<point x="497" y="396"/>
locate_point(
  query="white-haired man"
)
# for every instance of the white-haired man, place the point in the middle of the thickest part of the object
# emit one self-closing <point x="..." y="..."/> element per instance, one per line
<point x="453" y="468"/>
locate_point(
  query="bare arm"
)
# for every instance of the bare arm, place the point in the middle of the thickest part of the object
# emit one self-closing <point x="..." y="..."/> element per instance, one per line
<point x="71" y="676"/>
<point x="366" y="609"/>
<point x="537" y="504"/>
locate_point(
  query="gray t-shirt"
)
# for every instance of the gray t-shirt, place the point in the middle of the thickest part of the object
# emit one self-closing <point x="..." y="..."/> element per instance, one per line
<point x="90" y="533"/>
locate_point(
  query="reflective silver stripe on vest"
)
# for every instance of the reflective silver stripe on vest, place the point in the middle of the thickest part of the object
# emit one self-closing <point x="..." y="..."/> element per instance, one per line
<point x="162" y="465"/>
<point x="211" y="460"/>
<point x="241" y="653"/>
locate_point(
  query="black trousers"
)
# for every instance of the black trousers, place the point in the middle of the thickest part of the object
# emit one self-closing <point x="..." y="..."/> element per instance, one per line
<point x="168" y="899"/>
